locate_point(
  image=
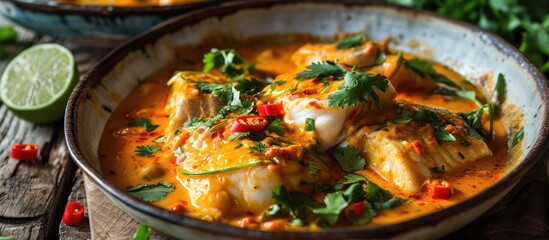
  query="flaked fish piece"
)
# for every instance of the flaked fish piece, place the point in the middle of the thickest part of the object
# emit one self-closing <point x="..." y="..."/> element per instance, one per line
<point x="186" y="102"/>
<point x="408" y="154"/>
<point x="361" y="56"/>
<point x="403" y="78"/>
<point x="242" y="177"/>
<point x="308" y="99"/>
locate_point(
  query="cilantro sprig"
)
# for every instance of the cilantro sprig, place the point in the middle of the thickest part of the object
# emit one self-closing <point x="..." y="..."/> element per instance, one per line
<point x="358" y="87"/>
<point x="321" y="70"/>
<point x="146" y="150"/>
<point x="350" y="42"/>
<point x="143" y="122"/>
<point x="151" y="193"/>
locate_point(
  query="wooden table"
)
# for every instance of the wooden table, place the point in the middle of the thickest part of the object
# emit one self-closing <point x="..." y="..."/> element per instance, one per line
<point x="33" y="194"/>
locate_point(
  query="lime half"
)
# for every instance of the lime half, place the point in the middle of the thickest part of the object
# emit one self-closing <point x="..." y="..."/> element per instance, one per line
<point x="37" y="83"/>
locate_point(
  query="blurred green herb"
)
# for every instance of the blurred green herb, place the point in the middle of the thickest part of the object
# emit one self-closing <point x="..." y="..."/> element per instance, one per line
<point x="523" y="23"/>
<point x="7" y="33"/>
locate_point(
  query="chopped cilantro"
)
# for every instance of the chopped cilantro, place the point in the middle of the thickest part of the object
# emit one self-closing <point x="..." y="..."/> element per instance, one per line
<point x="350" y="42"/>
<point x="194" y="122"/>
<point x="349" y="159"/>
<point x="471" y="95"/>
<point x="380" y="59"/>
<point x="276" y="83"/>
<point x="358" y="88"/>
<point x="313" y="169"/>
<point x="143" y="122"/>
<point x="294" y="202"/>
<point x="238" y="135"/>
<point x="335" y="203"/>
<point x="424" y="68"/>
<point x="225" y="92"/>
<point x="260" y="147"/>
<point x="227" y="61"/>
<point x="250" y="87"/>
<point x="322" y="70"/>
<point x="177" y="132"/>
<point x="151" y="193"/>
<point x="382" y="127"/>
<point x="277" y="126"/>
<point x="146" y="150"/>
<point x="310" y="125"/>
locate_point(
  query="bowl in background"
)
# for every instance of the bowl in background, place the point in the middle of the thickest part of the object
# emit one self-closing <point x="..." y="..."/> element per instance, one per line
<point x="67" y="20"/>
<point x="475" y="54"/>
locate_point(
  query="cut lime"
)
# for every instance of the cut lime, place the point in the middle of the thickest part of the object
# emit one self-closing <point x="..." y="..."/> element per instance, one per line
<point x="37" y="83"/>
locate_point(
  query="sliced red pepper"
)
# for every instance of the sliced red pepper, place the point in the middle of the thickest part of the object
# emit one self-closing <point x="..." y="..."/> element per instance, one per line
<point x="74" y="214"/>
<point x="440" y="189"/>
<point x="24" y="151"/>
<point x="249" y="124"/>
<point x="354" y="210"/>
<point x="270" y="109"/>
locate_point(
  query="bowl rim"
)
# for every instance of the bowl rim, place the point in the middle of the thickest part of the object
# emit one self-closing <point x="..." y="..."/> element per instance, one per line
<point x="54" y="7"/>
<point x="93" y="77"/>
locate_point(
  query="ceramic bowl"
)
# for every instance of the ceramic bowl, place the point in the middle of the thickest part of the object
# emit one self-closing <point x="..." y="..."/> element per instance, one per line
<point x="66" y="20"/>
<point x="474" y="53"/>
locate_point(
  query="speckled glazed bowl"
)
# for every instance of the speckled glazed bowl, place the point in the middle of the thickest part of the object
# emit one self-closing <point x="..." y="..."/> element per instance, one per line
<point x="473" y="53"/>
<point x="66" y="20"/>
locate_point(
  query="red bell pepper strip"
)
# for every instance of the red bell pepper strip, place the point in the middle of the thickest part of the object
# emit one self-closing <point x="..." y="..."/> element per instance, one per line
<point x="270" y="109"/>
<point x="24" y="151"/>
<point x="440" y="189"/>
<point x="249" y="124"/>
<point x="74" y="214"/>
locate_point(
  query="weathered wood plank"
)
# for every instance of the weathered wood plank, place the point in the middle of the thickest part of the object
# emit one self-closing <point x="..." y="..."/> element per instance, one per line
<point x="33" y="193"/>
<point x="107" y="220"/>
<point x="77" y="194"/>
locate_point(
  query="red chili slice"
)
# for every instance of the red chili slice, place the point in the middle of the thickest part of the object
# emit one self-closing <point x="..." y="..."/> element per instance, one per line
<point x="249" y="124"/>
<point x="440" y="189"/>
<point x="74" y="214"/>
<point x="354" y="210"/>
<point x="24" y="151"/>
<point x="270" y="109"/>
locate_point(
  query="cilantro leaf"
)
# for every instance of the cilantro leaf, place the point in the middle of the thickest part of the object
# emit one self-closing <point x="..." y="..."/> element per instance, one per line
<point x="250" y="87"/>
<point x="310" y="125"/>
<point x="335" y="203"/>
<point x="313" y="169"/>
<point x="420" y="66"/>
<point x="349" y="159"/>
<point x="146" y="150"/>
<point x="151" y="193"/>
<point x="194" y="122"/>
<point x="294" y="202"/>
<point x="354" y="178"/>
<point x="260" y="147"/>
<point x="227" y="61"/>
<point x="358" y="88"/>
<point x="350" y="42"/>
<point x="471" y="95"/>
<point x="238" y="135"/>
<point x="222" y="91"/>
<point x="425" y="68"/>
<point x="322" y="70"/>
<point x="143" y="122"/>
<point x="277" y="126"/>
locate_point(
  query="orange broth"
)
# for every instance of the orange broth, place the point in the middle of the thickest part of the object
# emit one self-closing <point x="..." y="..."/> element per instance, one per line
<point x="121" y="165"/>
